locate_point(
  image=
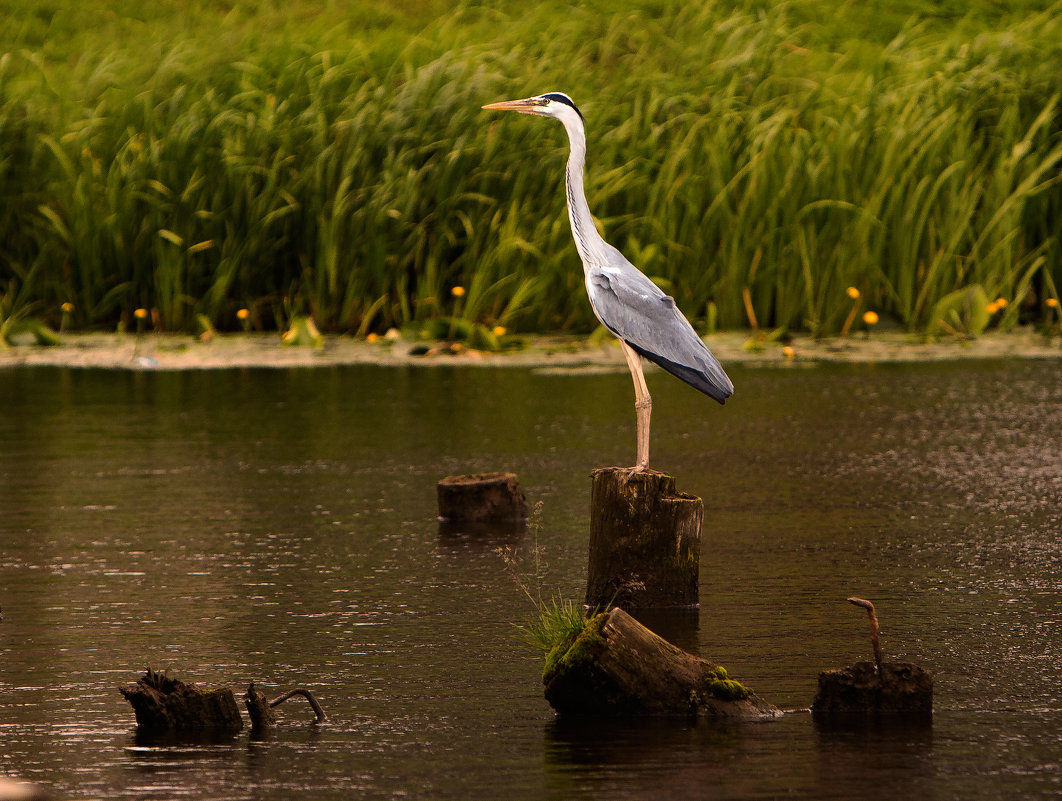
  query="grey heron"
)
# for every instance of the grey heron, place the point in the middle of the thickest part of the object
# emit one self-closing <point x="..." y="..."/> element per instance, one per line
<point x="646" y="321"/>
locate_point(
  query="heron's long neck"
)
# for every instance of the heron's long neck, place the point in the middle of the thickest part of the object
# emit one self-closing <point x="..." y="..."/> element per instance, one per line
<point x="587" y="240"/>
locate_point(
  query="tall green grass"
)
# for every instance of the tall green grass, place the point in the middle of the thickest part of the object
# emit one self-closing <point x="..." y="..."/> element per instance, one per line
<point x="335" y="162"/>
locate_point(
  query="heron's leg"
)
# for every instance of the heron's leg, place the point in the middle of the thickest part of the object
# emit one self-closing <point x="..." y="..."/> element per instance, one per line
<point x="643" y="404"/>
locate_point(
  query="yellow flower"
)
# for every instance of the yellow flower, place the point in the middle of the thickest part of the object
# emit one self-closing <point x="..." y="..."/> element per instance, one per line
<point x="243" y="314"/>
<point x="140" y="314"/>
<point x="458" y="291"/>
<point x="1002" y="302"/>
<point x="992" y="307"/>
<point x="870" y="318"/>
<point x="789" y="352"/>
<point x="853" y="293"/>
<point x="1052" y="303"/>
<point x="67" y="307"/>
<point x="499" y="330"/>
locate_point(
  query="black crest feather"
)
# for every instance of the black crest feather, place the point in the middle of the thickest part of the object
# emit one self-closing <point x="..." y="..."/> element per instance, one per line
<point x="560" y="97"/>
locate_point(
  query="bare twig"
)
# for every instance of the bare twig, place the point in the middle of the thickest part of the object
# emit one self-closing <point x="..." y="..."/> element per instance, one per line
<point x="321" y="716"/>
<point x="873" y="628"/>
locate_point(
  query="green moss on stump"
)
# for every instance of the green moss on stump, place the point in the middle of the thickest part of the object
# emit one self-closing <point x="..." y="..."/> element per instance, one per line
<point x="719" y="685"/>
<point x="579" y="647"/>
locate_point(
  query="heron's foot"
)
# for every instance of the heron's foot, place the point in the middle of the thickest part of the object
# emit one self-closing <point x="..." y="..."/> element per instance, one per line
<point x="633" y="471"/>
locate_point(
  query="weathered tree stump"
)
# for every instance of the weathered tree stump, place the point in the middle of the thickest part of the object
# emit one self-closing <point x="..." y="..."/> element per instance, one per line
<point x="900" y="687"/>
<point x="162" y="704"/>
<point x="645" y="541"/>
<point x="482" y="498"/>
<point x="616" y="666"/>
<point x="874" y="687"/>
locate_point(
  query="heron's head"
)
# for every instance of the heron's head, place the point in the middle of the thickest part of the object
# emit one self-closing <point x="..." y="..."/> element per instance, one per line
<point x="552" y="104"/>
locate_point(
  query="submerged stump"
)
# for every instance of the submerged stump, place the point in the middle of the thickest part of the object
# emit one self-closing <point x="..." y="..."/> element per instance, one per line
<point x="899" y="687"/>
<point x="645" y="541"/>
<point x="874" y="687"/>
<point x="482" y="498"/>
<point x="616" y="666"/>
<point x="259" y="709"/>
<point x="162" y="704"/>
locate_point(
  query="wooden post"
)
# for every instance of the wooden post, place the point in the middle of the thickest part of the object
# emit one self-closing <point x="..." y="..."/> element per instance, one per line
<point x="645" y="541"/>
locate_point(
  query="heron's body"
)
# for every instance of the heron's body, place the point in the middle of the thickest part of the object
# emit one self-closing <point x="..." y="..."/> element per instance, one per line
<point x="646" y="321"/>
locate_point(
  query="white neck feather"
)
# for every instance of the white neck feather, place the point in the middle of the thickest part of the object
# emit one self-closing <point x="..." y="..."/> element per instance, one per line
<point x="588" y="241"/>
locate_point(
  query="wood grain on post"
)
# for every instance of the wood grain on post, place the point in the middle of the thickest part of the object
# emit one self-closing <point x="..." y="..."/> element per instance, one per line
<point x="645" y="541"/>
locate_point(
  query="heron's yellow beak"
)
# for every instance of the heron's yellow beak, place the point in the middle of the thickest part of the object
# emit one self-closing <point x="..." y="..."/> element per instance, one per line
<point x="529" y="105"/>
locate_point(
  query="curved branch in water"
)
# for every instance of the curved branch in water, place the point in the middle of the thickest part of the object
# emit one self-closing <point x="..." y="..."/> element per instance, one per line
<point x="321" y="716"/>
<point x="874" y="641"/>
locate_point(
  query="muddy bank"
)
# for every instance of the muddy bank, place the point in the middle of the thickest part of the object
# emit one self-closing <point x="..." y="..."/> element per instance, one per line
<point x="184" y="352"/>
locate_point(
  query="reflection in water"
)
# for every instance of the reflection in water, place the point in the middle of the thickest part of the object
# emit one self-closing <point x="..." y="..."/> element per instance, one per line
<point x="482" y="534"/>
<point x="280" y="526"/>
<point x="898" y="753"/>
<point x="598" y="743"/>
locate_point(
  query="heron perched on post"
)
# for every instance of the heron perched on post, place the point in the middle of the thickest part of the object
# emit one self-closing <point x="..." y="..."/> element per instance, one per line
<point x="646" y="321"/>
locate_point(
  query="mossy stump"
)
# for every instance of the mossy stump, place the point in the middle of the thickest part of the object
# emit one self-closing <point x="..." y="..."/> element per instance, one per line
<point x="165" y="705"/>
<point x="482" y="498"/>
<point x="616" y="666"/>
<point x="645" y="541"/>
<point x="899" y="688"/>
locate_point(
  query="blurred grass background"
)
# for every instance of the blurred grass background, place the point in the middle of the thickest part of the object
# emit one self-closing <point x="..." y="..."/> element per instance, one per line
<point x="330" y="158"/>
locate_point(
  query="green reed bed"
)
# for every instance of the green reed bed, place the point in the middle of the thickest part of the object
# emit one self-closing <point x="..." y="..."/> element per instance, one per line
<point x="756" y="161"/>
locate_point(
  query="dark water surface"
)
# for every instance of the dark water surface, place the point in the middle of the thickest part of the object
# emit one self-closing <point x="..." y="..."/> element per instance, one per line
<point x="279" y="526"/>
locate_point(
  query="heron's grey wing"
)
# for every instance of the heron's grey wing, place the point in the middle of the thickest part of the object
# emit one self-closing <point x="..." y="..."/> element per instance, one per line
<point x="638" y="312"/>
